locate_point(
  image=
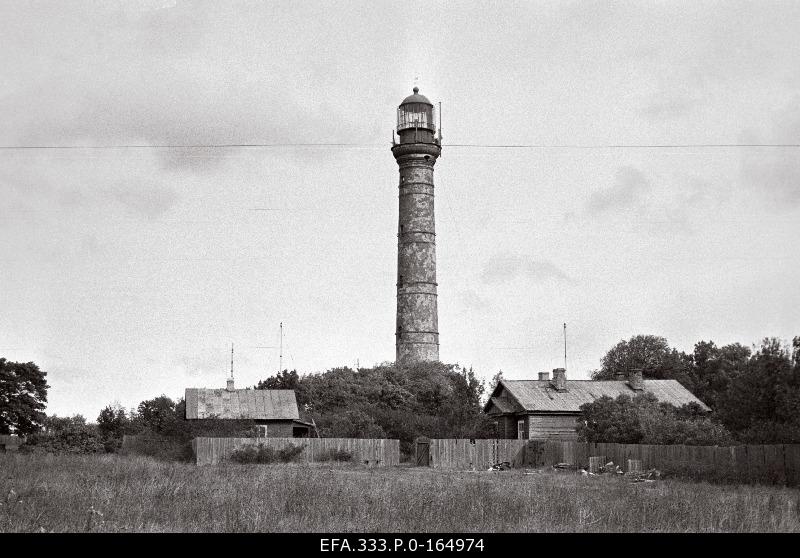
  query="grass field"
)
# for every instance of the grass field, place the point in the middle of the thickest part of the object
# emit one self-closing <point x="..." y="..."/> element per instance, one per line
<point x="113" y="493"/>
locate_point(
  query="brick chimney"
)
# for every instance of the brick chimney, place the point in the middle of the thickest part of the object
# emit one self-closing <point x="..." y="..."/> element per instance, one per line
<point x="230" y="387"/>
<point x="635" y="379"/>
<point x="559" y="381"/>
<point x="544" y="375"/>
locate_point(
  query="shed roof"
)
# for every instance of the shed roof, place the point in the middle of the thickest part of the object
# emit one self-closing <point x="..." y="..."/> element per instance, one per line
<point x="259" y="404"/>
<point x="539" y="395"/>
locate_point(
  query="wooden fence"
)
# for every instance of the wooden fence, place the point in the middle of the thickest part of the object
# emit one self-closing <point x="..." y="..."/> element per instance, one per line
<point x="775" y="463"/>
<point x="378" y="452"/>
<point x="475" y="454"/>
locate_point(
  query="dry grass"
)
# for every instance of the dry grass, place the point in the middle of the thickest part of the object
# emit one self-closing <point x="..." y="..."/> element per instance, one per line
<point x="112" y="493"/>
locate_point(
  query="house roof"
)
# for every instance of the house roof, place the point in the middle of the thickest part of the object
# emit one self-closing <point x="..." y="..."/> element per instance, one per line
<point x="259" y="404"/>
<point x="539" y="395"/>
<point x="502" y="405"/>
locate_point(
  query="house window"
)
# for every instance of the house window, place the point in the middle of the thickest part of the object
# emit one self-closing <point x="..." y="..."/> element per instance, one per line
<point x="521" y="429"/>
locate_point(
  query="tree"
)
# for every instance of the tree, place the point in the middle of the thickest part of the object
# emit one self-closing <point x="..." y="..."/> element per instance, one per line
<point x="353" y="423"/>
<point x="157" y="415"/>
<point x="463" y="411"/>
<point x="650" y="353"/>
<point x="762" y="404"/>
<point x="642" y="419"/>
<point x="23" y="397"/>
<point x="494" y="382"/>
<point x="113" y="422"/>
<point x="282" y="380"/>
<point x="55" y="424"/>
<point x="610" y="420"/>
<point x="403" y="402"/>
<point x="715" y="367"/>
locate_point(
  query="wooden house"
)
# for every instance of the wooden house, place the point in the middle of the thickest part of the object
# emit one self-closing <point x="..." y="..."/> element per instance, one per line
<point x="548" y="408"/>
<point x="273" y="410"/>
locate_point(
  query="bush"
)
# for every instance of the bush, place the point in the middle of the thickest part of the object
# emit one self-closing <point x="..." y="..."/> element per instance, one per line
<point x="644" y="420"/>
<point x="335" y="455"/>
<point x="290" y="453"/>
<point x="163" y="448"/>
<point x="265" y="454"/>
<point x="254" y="454"/>
<point x="65" y="435"/>
<point x="111" y="444"/>
<point x="75" y="441"/>
<point x="698" y="471"/>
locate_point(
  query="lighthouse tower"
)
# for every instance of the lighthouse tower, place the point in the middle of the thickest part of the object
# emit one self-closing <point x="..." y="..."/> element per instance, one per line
<point x="417" y="328"/>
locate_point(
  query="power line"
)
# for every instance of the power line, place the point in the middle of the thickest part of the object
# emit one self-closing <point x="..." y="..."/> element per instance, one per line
<point x="189" y="146"/>
<point x="381" y="146"/>
<point x="626" y="146"/>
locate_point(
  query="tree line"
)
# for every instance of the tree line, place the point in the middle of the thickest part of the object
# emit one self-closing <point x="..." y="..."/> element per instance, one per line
<point x="754" y="395"/>
<point x="390" y="401"/>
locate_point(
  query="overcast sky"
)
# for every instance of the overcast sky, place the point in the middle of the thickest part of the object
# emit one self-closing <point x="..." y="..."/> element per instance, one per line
<point x="126" y="273"/>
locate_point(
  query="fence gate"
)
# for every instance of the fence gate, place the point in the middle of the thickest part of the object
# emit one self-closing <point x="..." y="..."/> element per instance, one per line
<point x="422" y="452"/>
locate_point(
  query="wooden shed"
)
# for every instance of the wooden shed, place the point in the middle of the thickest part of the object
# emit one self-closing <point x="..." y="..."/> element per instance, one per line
<point x="274" y="410"/>
<point x="548" y="408"/>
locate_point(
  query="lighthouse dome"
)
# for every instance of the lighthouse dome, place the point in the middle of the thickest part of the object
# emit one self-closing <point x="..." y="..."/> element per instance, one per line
<point x="416" y="98"/>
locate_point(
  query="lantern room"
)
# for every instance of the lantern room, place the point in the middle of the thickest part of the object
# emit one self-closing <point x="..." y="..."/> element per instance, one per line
<point x="416" y="119"/>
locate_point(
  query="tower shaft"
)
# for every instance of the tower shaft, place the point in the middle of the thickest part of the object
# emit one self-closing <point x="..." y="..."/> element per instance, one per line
<point x="417" y="328"/>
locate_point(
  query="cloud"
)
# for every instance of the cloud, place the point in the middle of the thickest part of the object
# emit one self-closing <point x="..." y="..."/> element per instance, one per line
<point x="628" y="191"/>
<point x="167" y="75"/>
<point x="775" y="177"/>
<point x="84" y="189"/>
<point x="474" y="301"/>
<point x="508" y="267"/>
<point x="774" y="173"/>
<point x="669" y="107"/>
<point x="149" y="201"/>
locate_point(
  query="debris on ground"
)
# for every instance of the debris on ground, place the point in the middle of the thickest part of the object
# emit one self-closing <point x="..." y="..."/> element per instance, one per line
<point x="565" y="466"/>
<point x="502" y="466"/>
<point x="651" y="475"/>
<point x="611" y="468"/>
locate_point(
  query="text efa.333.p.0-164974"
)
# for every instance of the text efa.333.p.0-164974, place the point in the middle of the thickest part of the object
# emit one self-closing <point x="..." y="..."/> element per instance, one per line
<point x="405" y="544"/>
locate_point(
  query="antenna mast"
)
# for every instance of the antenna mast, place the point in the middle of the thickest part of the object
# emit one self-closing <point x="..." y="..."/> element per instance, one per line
<point x="231" y="360"/>
<point x="280" y="355"/>
<point x="565" y="345"/>
<point x="440" y="122"/>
